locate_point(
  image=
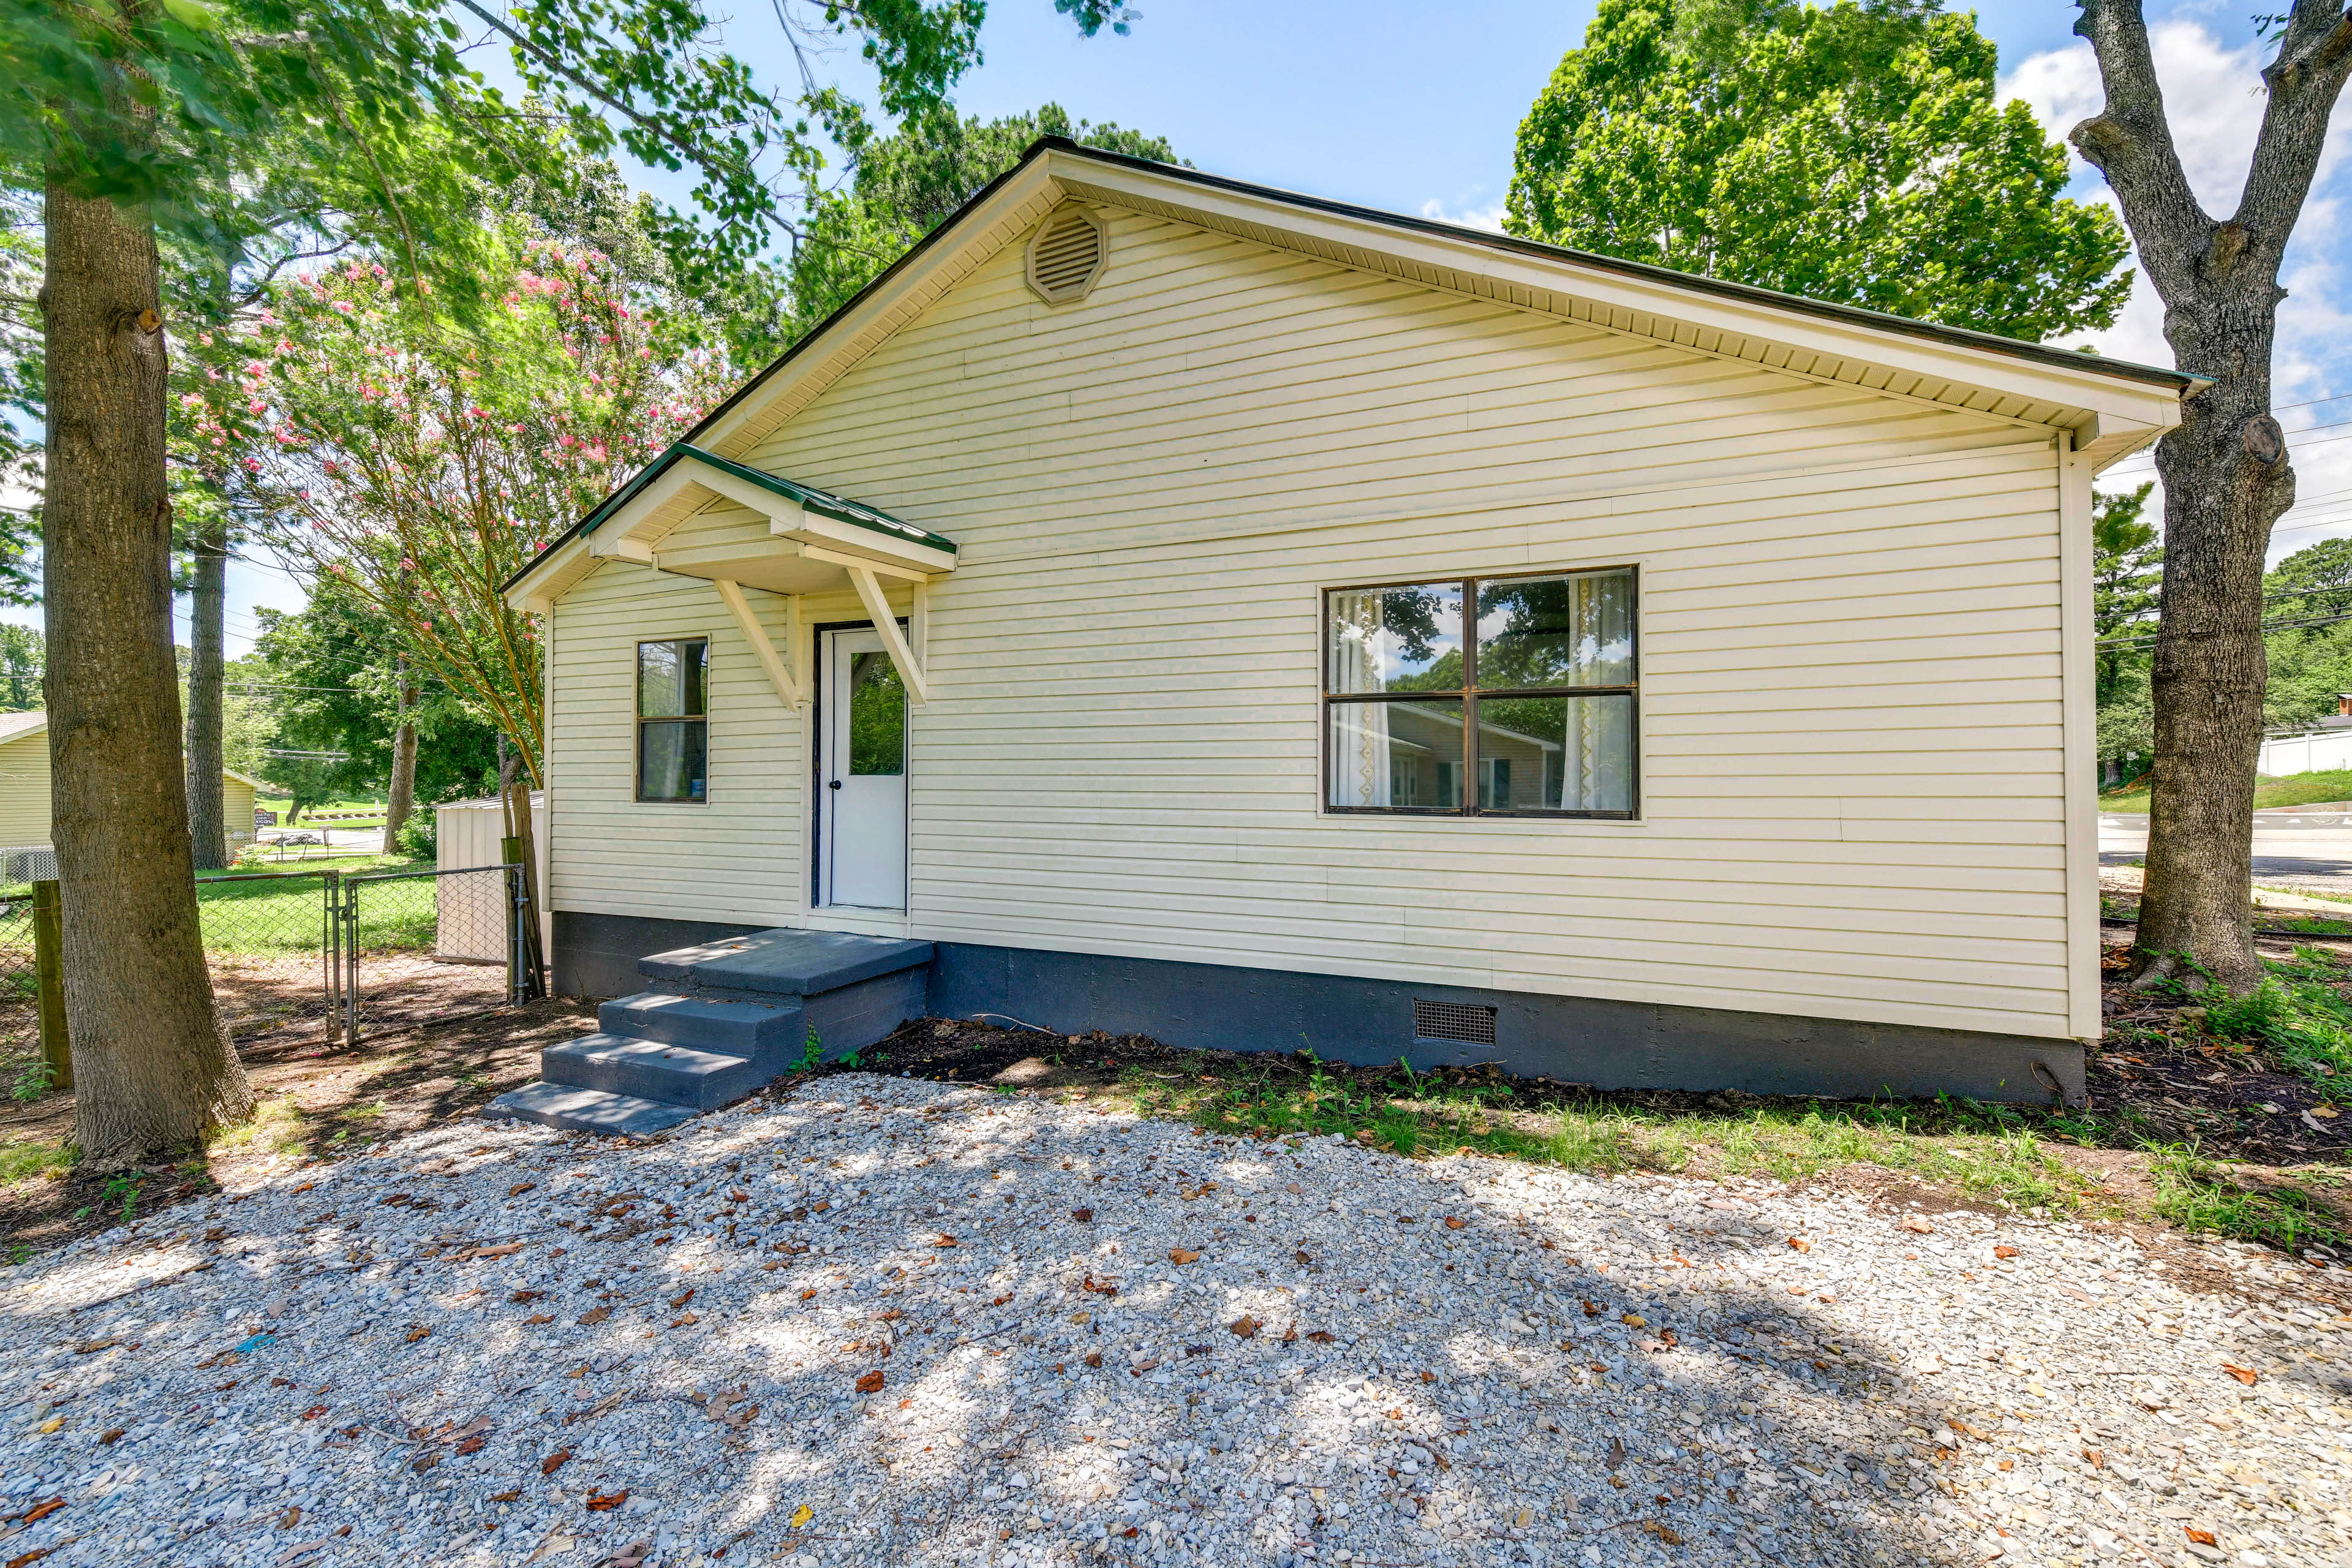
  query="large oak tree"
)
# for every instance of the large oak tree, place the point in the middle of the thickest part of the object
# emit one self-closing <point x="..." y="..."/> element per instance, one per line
<point x="2227" y="476"/>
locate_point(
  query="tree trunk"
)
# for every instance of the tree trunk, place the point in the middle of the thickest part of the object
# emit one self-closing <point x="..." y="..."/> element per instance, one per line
<point x="403" y="796"/>
<point x="152" y="1066"/>
<point x="208" y="609"/>
<point x="2226" y="477"/>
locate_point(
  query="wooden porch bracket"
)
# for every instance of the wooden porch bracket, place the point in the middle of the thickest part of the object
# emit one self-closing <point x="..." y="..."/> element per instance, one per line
<point x="911" y="670"/>
<point x="793" y="692"/>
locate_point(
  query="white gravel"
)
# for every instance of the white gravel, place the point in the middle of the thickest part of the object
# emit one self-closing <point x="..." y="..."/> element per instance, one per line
<point x="1888" y="1396"/>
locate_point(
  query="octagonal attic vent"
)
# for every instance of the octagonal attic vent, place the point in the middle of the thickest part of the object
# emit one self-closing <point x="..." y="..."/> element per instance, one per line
<point x="1066" y="255"/>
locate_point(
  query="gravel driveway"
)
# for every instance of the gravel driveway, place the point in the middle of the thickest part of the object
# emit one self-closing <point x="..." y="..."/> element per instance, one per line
<point x="881" y="1321"/>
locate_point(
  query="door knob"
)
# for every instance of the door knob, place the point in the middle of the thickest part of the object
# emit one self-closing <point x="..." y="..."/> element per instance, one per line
<point x="835" y="785"/>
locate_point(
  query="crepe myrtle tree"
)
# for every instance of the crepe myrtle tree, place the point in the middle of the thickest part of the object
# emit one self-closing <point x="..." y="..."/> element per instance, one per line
<point x="416" y="462"/>
<point x="211" y="123"/>
<point x="2226" y="470"/>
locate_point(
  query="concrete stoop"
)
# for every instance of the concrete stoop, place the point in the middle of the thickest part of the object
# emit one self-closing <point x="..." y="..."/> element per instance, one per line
<point x="721" y="1021"/>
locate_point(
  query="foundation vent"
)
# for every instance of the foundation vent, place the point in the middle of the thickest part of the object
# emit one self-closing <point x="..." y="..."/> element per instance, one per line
<point x="1468" y="1023"/>
<point x="1066" y="255"/>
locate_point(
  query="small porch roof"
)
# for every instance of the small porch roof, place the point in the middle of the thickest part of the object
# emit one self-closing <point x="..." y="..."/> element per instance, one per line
<point x="814" y="539"/>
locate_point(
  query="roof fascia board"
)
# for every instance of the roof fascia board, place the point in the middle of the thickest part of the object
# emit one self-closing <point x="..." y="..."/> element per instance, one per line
<point x="2132" y="402"/>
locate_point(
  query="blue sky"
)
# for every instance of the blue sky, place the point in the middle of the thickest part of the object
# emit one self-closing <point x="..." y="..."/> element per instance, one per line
<point x="1413" y="108"/>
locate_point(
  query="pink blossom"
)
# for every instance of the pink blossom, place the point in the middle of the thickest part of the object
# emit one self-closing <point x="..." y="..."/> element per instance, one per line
<point x="252" y="465"/>
<point x="255" y="406"/>
<point x="344" y="307"/>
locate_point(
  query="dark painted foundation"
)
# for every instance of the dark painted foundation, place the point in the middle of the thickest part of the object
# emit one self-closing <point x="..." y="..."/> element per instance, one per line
<point x="1609" y="1045"/>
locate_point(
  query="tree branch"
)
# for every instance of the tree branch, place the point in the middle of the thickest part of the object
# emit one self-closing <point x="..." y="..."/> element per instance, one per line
<point x="2313" y="58"/>
<point x="2130" y="142"/>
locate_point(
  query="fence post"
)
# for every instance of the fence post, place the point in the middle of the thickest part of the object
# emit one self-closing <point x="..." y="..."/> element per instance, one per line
<point x="510" y="850"/>
<point x="49" y="968"/>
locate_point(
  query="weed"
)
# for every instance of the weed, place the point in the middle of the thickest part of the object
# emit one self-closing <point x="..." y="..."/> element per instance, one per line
<point x="2196" y="1193"/>
<point x="368" y="1112"/>
<point x="33" y="1082"/>
<point x="123" y="1190"/>
<point x="275" y="1128"/>
<point x="24" y="1159"/>
<point x="812" y="1052"/>
<point x="2298" y="1014"/>
<point x="853" y="1061"/>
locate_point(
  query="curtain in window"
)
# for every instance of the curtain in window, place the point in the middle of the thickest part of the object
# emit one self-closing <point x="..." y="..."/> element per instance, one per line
<point x="1599" y="734"/>
<point x="1360" y="731"/>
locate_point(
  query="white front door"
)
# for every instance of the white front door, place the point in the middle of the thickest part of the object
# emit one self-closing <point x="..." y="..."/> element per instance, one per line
<point x="862" y="776"/>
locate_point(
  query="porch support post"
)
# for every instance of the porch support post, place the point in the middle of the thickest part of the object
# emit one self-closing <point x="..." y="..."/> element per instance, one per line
<point x="870" y="593"/>
<point x="757" y="636"/>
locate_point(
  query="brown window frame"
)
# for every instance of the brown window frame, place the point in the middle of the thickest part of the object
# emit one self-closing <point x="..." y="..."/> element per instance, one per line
<point x="637" y="731"/>
<point x="1469" y="697"/>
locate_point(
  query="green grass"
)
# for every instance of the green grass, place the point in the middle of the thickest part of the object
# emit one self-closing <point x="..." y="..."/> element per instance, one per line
<point x="2299" y="1016"/>
<point x="26" y="1159"/>
<point x="251" y="913"/>
<point x="1994" y="1153"/>
<point x="2296" y="789"/>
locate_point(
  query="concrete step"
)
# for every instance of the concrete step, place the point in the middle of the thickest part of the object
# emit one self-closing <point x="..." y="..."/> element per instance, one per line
<point x="786" y="961"/>
<point x="576" y="1109"/>
<point x="748" y="1029"/>
<point x="654" y="1069"/>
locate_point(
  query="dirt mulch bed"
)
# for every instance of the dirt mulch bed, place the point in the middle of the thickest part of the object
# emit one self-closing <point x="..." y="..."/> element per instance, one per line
<point x="317" y="1100"/>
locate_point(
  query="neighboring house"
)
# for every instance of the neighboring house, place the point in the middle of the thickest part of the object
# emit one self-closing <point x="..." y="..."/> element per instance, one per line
<point x="2321" y="746"/>
<point x="1265" y="623"/>
<point x="25" y="786"/>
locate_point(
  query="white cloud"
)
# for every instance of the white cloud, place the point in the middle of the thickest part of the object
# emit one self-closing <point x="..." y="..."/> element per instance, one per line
<point x="1488" y="218"/>
<point x="2214" y="101"/>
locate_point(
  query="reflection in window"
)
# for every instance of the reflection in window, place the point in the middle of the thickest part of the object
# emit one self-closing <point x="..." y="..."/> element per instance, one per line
<point x="1538" y="717"/>
<point x="878" y="716"/>
<point x="673" y="739"/>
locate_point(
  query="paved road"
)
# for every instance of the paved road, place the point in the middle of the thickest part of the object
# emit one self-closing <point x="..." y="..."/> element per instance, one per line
<point x="2306" y="851"/>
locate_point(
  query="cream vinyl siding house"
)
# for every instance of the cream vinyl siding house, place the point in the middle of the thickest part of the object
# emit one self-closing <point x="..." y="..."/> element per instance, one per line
<point x="25" y="786"/>
<point x="1857" y="842"/>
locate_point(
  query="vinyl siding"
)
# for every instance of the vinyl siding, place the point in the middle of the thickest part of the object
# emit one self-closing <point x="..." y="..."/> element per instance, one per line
<point x="1851" y="798"/>
<point x="25" y="791"/>
<point x="236" y="809"/>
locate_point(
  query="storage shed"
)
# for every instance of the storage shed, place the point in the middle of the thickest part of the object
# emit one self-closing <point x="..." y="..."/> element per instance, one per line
<point x="470" y="911"/>
<point x="1260" y="622"/>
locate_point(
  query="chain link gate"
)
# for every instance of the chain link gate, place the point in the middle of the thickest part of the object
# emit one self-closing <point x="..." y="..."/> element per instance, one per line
<point x="412" y="948"/>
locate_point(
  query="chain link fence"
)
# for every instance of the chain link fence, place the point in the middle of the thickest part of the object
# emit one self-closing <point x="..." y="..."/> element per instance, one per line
<point x="21" y="1072"/>
<point x="427" y="947"/>
<point x="270" y="938"/>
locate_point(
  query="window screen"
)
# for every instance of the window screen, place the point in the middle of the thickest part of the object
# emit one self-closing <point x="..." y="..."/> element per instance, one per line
<point x="1494" y="695"/>
<point x="673" y="721"/>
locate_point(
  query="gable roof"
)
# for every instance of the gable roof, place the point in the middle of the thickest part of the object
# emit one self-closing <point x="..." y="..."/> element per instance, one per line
<point x="822" y="503"/>
<point x="16" y="726"/>
<point x="2113" y="407"/>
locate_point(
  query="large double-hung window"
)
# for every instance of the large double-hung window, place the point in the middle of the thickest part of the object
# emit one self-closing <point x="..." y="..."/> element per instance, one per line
<point x="1483" y="696"/>
<point x="673" y="724"/>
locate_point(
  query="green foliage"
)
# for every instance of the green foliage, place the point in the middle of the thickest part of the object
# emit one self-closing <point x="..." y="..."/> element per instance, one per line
<point x="2298" y="1014"/>
<point x="2126" y="574"/>
<point x="904" y="184"/>
<point x="420" y="835"/>
<point x="23" y="659"/>
<point x="1849" y="152"/>
<point x="812" y="1052"/>
<point x="331" y="670"/>
<point x="2310" y="664"/>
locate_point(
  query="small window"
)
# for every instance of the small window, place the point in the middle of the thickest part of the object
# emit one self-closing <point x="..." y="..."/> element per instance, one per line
<point x="673" y="723"/>
<point x="1482" y="697"/>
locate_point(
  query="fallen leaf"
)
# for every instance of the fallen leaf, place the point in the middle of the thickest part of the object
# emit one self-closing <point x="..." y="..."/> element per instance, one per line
<point x="1429" y="1377"/>
<point x="54" y="1424"/>
<point x="42" y="1510"/>
<point x="2245" y="1374"/>
<point x="801" y="1516"/>
<point x="945" y="1240"/>
<point x="2201" y="1537"/>
<point x="417" y="1333"/>
<point x="314" y="1412"/>
<point x="808" y="1295"/>
<point x="34" y="1555"/>
<point x="91" y="1347"/>
<point x="424" y="1463"/>
<point x="678" y="1301"/>
<point x="1799" y="1243"/>
<point x="594" y="1315"/>
<point x="2096" y="1458"/>
<point x="1665" y="1533"/>
<point x="2004" y="1252"/>
<point x="521" y="1297"/>
<point x="1322" y="1336"/>
<point x="1918" y="1227"/>
<point x="1244" y="1327"/>
<point x="1181" y="1255"/>
<point x="519" y="1188"/>
<point x="1633" y="1320"/>
<point x="505" y="1497"/>
<point x="1592" y="1309"/>
<point x="1616" y="1452"/>
<point x="111" y="1436"/>
<point x="1094" y="1358"/>
<point x="290" y="1518"/>
<point x="539" y="1318"/>
<point x="605" y="1502"/>
<point x="554" y="1461"/>
<point x="1453" y="1223"/>
<point x="871" y="1382"/>
<point x="1084" y="1216"/>
<point x="686" y="1321"/>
